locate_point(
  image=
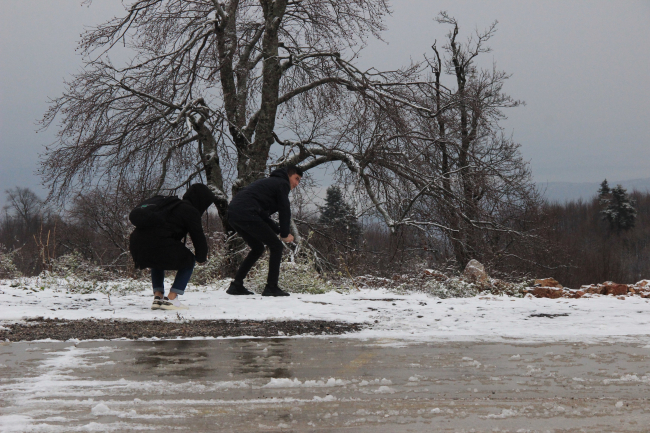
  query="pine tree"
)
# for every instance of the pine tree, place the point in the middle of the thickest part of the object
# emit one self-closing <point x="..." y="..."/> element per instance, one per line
<point x="338" y="215"/>
<point x="620" y="212"/>
<point x="604" y="193"/>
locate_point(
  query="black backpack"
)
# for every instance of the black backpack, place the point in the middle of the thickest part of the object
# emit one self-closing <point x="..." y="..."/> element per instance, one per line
<point x="153" y="212"/>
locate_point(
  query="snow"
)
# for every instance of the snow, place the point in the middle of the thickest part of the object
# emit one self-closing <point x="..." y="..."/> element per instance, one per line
<point x="384" y="390"/>
<point x="296" y="383"/>
<point x="505" y="413"/>
<point x="100" y="409"/>
<point x="391" y="319"/>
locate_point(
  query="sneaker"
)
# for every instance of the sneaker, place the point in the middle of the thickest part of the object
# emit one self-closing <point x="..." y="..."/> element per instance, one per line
<point x="273" y="291"/>
<point x="157" y="301"/>
<point x="238" y="289"/>
<point x="169" y="304"/>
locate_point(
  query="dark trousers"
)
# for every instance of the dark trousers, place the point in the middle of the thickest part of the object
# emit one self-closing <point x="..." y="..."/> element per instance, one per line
<point x="257" y="234"/>
<point x="180" y="282"/>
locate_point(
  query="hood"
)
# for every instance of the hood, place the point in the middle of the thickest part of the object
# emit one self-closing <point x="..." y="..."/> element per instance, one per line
<point x="200" y="196"/>
<point x="281" y="173"/>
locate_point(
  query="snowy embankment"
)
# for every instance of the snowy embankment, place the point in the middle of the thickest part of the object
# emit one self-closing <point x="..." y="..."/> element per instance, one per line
<point x="416" y="317"/>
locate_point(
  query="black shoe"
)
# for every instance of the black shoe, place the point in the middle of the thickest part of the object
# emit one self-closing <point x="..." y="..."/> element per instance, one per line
<point x="157" y="302"/>
<point x="273" y="291"/>
<point x="238" y="289"/>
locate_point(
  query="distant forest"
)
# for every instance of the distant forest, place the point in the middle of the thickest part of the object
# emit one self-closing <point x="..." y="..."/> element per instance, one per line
<point x="593" y="250"/>
<point x="576" y="242"/>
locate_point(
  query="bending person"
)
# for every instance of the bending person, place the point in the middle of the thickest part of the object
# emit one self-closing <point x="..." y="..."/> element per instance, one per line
<point x="249" y="214"/>
<point x="161" y="247"/>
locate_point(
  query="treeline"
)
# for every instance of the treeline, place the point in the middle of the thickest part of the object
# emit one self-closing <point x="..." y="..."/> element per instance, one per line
<point x="594" y="250"/>
<point x="33" y="233"/>
<point x="576" y="242"/>
<point x="95" y="225"/>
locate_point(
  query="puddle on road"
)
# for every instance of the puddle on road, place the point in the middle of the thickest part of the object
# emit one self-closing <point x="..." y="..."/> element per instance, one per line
<point x="263" y="358"/>
<point x="324" y="384"/>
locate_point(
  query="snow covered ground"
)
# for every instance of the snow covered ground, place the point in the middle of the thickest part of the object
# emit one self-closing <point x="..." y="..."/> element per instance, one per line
<point x="414" y="317"/>
<point x="410" y="369"/>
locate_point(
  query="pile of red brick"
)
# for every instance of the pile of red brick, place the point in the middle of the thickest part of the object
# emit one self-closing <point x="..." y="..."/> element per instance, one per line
<point x="550" y="288"/>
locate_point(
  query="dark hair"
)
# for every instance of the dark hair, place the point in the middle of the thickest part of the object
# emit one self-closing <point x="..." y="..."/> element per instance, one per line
<point x="292" y="169"/>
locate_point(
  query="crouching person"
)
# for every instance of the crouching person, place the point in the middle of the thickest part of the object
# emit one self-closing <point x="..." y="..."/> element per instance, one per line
<point x="157" y="242"/>
<point x="248" y="214"/>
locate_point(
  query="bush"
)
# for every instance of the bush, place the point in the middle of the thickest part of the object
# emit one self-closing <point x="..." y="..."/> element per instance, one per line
<point x="208" y="272"/>
<point x="451" y="288"/>
<point x="435" y="283"/>
<point x="75" y="274"/>
<point x="295" y="277"/>
<point x="75" y="265"/>
<point x="8" y="269"/>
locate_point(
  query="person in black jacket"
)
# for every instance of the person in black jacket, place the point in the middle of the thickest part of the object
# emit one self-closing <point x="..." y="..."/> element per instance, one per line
<point x="162" y="248"/>
<point x="249" y="214"/>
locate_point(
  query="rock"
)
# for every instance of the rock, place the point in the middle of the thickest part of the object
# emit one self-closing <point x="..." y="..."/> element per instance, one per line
<point x="554" y="292"/>
<point x="548" y="282"/>
<point x="615" y="289"/>
<point x="475" y="272"/>
<point x="546" y="292"/>
<point x="593" y="289"/>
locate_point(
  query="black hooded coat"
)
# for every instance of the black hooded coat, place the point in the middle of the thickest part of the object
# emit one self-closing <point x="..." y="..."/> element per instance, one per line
<point x="261" y="199"/>
<point x="163" y="247"/>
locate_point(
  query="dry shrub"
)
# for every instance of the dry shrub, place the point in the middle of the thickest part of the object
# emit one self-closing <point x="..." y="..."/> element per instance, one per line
<point x="299" y="276"/>
<point x="74" y="274"/>
<point x="437" y="284"/>
<point x="8" y="269"/>
<point x="208" y="272"/>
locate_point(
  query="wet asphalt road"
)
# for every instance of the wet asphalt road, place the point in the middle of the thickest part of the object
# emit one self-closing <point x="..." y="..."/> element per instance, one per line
<point x="323" y="385"/>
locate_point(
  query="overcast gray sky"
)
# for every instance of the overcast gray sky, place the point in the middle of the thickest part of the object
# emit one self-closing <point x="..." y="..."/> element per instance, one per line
<point x="581" y="66"/>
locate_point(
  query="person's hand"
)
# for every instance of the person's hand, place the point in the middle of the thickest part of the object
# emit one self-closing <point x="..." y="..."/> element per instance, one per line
<point x="288" y="239"/>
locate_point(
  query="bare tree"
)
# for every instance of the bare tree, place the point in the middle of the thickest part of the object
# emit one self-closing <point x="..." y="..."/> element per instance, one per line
<point x="429" y="155"/>
<point x="200" y="96"/>
<point x="26" y="206"/>
<point x="28" y="229"/>
<point x="101" y="226"/>
<point x="211" y="86"/>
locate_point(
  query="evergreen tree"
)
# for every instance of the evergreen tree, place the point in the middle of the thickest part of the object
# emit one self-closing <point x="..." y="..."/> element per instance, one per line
<point x="604" y="193"/>
<point x="620" y="212"/>
<point x="338" y="215"/>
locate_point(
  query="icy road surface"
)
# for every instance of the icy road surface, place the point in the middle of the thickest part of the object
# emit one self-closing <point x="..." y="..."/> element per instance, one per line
<point x="322" y="385"/>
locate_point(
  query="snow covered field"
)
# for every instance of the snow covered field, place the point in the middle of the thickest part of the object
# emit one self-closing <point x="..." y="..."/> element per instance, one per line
<point x="415" y="317"/>
<point x="488" y="363"/>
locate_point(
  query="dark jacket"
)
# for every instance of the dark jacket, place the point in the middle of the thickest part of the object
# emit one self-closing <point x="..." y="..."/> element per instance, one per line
<point x="163" y="247"/>
<point x="261" y="199"/>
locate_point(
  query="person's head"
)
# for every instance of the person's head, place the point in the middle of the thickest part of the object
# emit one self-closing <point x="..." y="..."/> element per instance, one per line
<point x="200" y="196"/>
<point x="295" y="174"/>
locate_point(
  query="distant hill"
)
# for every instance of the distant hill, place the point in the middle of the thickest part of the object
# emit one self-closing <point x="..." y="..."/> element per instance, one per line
<point x="567" y="191"/>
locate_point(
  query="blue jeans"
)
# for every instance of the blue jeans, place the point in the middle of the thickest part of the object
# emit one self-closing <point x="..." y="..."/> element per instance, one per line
<point x="180" y="282"/>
